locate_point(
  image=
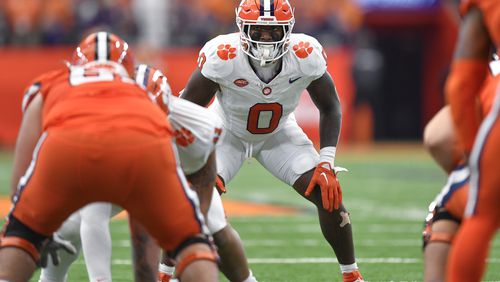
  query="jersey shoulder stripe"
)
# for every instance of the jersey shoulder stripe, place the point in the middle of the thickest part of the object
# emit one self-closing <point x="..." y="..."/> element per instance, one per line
<point x="40" y="84"/>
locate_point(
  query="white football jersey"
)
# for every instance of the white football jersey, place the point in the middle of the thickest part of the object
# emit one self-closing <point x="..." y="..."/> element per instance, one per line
<point x="197" y="132"/>
<point x="250" y="108"/>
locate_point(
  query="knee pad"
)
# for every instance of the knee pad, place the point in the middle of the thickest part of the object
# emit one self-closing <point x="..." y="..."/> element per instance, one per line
<point x="442" y="237"/>
<point x="195" y="256"/>
<point x="434" y="216"/>
<point x="18" y="235"/>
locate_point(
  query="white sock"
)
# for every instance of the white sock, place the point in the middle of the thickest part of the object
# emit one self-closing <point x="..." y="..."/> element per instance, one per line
<point x="96" y="240"/>
<point x="250" y="278"/>
<point x="346" y="268"/>
<point x="169" y="270"/>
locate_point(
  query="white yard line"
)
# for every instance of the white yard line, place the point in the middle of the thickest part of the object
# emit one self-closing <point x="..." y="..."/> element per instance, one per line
<point x="393" y="260"/>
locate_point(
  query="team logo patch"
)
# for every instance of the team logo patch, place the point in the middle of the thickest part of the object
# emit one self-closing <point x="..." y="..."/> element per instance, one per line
<point x="226" y="52"/>
<point x="303" y="49"/>
<point x="266" y="91"/>
<point x="184" y="137"/>
<point x="241" y="82"/>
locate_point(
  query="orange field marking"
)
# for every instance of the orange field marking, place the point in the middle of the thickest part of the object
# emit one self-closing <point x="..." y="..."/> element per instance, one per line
<point x="232" y="208"/>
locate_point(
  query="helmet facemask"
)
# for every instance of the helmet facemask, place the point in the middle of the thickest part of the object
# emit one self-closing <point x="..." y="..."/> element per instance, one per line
<point x="268" y="50"/>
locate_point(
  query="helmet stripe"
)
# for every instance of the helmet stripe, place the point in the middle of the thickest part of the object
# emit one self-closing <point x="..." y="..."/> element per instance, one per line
<point x="271" y="8"/>
<point x="96" y="53"/>
<point x="267" y="8"/>
<point x="140" y="78"/>
<point x="262" y="7"/>
<point x="108" y="46"/>
<point x="102" y="46"/>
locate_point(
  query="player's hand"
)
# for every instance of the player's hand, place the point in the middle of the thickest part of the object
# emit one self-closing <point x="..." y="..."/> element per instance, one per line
<point x="325" y="177"/>
<point x="54" y="244"/>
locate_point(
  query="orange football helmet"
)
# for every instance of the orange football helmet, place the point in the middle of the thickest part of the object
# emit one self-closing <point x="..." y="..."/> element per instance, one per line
<point x="104" y="48"/>
<point x="155" y="83"/>
<point x="277" y="14"/>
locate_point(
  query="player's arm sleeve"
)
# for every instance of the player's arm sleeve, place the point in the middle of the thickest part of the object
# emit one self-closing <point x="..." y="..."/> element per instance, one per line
<point x="203" y="126"/>
<point x="467" y="76"/>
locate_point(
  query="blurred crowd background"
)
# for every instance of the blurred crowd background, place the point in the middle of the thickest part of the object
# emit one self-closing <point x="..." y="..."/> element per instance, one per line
<point x="161" y="23"/>
<point x="396" y="51"/>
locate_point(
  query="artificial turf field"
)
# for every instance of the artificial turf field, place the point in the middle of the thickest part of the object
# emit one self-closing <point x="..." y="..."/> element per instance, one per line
<point x="387" y="192"/>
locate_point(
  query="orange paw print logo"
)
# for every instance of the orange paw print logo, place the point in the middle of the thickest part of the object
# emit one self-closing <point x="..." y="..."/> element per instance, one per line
<point x="226" y="52"/>
<point x="303" y="49"/>
<point x="184" y="137"/>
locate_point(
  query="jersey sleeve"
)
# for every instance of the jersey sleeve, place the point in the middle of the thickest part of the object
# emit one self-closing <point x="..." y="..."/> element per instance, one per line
<point x="197" y="132"/>
<point x="213" y="59"/>
<point x="310" y="55"/>
<point x="39" y="85"/>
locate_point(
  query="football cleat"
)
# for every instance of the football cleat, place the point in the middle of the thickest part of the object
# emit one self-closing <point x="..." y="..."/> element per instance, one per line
<point x="276" y="17"/>
<point x="104" y="48"/>
<point x="354" y="276"/>
<point x="163" y="277"/>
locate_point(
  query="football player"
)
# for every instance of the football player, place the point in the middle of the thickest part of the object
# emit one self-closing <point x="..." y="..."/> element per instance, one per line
<point x="257" y="76"/>
<point x="446" y="212"/>
<point x="96" y="136"/>
<point x="468" y="82"/>
<point x="196" y="132"/>
<point x="187" y="119"/>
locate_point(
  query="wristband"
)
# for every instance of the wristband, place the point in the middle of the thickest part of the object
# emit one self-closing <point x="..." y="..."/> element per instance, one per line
<point x="327" y="154"/>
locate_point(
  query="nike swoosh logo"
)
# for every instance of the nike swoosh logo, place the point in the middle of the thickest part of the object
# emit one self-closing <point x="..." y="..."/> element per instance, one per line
<point x="292" y="80"/>
<point x="326" y="178"/>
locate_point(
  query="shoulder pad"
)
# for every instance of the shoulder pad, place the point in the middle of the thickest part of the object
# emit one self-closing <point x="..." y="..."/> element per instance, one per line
<point x="216" y="58"/>
<point x="309" y="54"/>
<point x="38" y="85"/>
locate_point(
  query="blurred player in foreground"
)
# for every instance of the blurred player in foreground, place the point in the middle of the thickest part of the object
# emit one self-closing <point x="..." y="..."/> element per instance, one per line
<point x="450" y="146"/>
<point x="480" y="140"/>
<point x="196" y="132"/>
<point x="257" y="76"/>
<point x="100" y="138"/>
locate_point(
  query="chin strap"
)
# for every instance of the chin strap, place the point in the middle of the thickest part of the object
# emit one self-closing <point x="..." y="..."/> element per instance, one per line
<point x="265" y="53"/>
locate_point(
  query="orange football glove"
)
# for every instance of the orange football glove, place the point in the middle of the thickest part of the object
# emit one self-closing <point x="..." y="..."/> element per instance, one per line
<point x="331" y="193"/>
<point x="219" y="184"/>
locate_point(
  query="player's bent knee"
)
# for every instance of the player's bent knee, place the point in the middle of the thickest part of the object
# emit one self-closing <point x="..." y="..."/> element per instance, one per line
<point x="193" y="253"/>
<point x="20" y="236"/>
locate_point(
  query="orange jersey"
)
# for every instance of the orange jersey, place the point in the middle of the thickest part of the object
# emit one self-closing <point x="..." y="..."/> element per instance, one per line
<point x="95" y="99"/>
<point x="488" y="92"/>
<point x="491" y="14"/>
